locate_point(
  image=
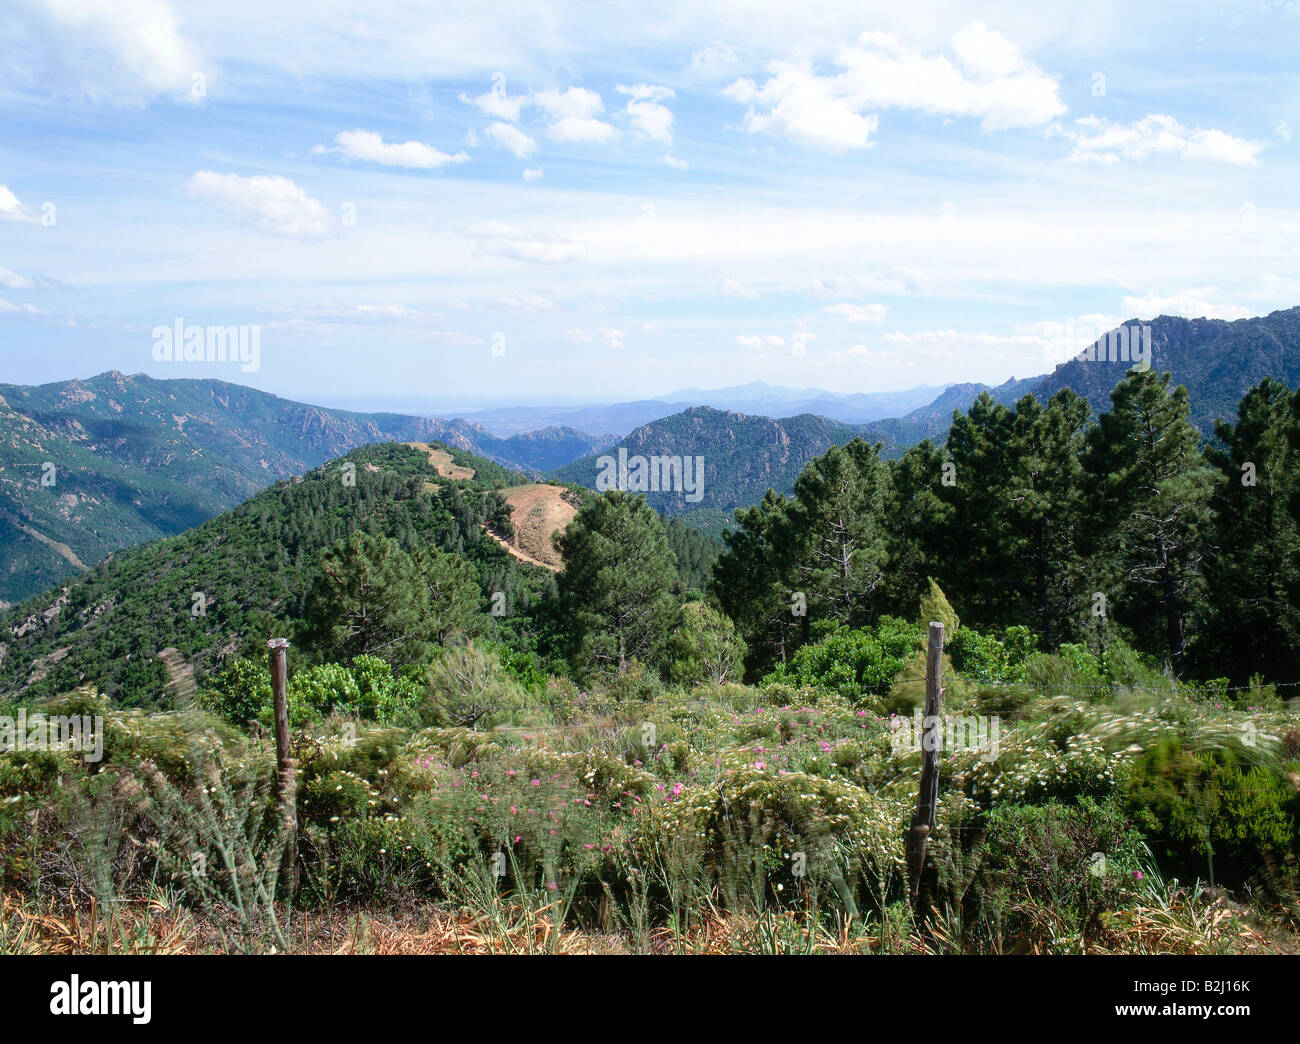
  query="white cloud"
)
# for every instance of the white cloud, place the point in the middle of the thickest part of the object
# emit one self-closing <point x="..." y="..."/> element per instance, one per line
<point x="573" y="115"/>
<point x="612" y="337"/>
<point x="368" y="145"/>
<point x="269" y="202"/>
<point x="574" y="103"/>
<point x="990" y="80"/>
<point x="1029" y="349"/>
<point x="512" y="139"/>
<point x="117" y="50"/>
<point x="713" y="62"/>
<point x="532" y="173"/>
<point x="804" y="107"/>
<point x="497" y="104"/>
<point x="11" y="279"/>
<point x="645" y="112"/>
<point x="11" y="207"/>
<point x="675" y="162"/>
<point x="529" y="303"/>
<point x="1102" y="141"/>
<point x="502" y="240"/>
<point x="851" y="313"/>
<point x="572" y="129"/>
<point x="1193" y="303"/>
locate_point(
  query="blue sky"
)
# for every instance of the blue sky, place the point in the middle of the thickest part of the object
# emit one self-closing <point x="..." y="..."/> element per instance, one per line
<point x="441" y="206"/>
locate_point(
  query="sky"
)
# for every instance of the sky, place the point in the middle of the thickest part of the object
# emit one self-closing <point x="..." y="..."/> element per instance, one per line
<point x="457" y="205"/>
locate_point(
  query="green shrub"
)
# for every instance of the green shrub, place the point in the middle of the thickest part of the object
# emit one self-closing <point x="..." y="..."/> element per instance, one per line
<point x="1050" y="871"/>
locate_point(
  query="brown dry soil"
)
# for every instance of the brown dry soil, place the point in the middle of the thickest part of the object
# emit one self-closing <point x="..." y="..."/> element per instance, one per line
<point x="537" y="510"/>
<point x="441" y="460"/>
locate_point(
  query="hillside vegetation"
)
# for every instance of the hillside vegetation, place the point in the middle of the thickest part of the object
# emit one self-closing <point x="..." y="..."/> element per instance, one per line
<point x="541" y="760"/>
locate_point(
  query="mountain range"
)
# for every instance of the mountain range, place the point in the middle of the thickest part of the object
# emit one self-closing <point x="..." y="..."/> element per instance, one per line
<point x="91" y="466"/>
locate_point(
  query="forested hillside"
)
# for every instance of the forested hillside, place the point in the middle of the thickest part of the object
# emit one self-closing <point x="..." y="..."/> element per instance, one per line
<point x="88" y="467"/>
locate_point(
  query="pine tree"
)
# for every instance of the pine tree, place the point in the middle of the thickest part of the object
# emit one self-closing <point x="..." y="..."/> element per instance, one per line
<point x="1254" y="624"/>
<point x="752" y="582"/>
<point x="838" y="522"/>
<point x="1044" y="489"/>
<point x="1151" y="490"/>
<point x="615" y="590"/>
<point x="368" y="599"/>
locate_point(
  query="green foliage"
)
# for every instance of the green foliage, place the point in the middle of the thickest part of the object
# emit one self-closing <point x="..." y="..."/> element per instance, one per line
<point x="466" y="688"/>
<point x="1051" y="871"/>
<point x="704" y="647"/>
<point x="855" y="664"/>
<point x="935" y="609"/>
<point x="1151" y="490"/>
<point x="1254" y="570"/>
<point x="1203" y="810"/>
<point x="614" y="590"/>
<point x="370" y="597"/>
<point x="240" y="692"/>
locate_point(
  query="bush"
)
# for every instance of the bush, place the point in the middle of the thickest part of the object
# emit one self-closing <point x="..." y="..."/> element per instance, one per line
<point x="857" y="664"/>
<point x="1203" y="812"/>
<point x="1051" y="870"/>
<point x="239" y="692"/>
<point x="468" y="689"/>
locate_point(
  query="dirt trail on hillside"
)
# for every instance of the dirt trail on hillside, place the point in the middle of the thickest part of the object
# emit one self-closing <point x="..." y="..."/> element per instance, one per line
<point x="441" y="460"/>
<point x="536" y="511"/>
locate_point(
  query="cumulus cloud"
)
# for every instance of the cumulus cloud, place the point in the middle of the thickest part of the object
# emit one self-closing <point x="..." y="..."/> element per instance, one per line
<point x="269" y="202"/>
<point x="11" y="279"/>
<point x="512" y="139"/>
<point x="532" y="173"/>
<point x="988" y="79"/>
<point x="646" y="113"/>
<point x="1101" y="141"/>
<point x="12" y="208"/>
<point x="768" y="341"/>
<point x="851" y="313"/>
<point x="370" y="146"/>
<point x="497" y="104"/>
<point x="1194" y="303"/>
<point x="574" y="115"/>
<point x="541" y="248"/>
<point x="117" y="50"/>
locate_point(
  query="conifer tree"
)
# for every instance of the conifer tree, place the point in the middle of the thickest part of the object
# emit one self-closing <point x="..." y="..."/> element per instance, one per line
<point x="615" y="589"/>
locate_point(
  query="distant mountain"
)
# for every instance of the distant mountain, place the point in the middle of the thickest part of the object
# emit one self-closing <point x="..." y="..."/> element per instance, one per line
<point x="746" y="455"/>
<point x="1218" y="361"/>
<point x="87" y="467"/>
<point x="90" y="466"/>
<point x="757" y="397"/>
<point x="743" y="455"/>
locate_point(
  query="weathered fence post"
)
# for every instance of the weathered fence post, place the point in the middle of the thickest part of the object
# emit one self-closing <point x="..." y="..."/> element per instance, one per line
<point x="287" y="782"/>
<point x="918" y="838"/>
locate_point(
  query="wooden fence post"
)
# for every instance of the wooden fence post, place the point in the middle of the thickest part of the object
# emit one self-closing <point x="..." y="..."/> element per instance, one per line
<point x="287" y="781"/>
<point x="918" y="838"/>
